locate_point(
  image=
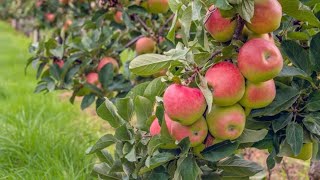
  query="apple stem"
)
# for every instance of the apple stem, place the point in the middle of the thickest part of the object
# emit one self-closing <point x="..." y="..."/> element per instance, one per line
<point x="239" y="28"/>
<point x="133" y="41"/>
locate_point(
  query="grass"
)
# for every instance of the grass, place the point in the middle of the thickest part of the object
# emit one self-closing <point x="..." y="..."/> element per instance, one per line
<point x="41" y="136"/>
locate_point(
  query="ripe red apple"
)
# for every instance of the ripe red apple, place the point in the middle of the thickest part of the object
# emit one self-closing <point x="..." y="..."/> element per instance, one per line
<point x="145" y="45"/>
<point x="197" y="132"/>
<point x="184" y="104"/>
<point x="93" y="78"/>
<point x="259" y="95"/>
<point x="267" y="16"/>
<point x="227" y="83"/>
<point x="155" y="128"/>
<point x="106" y="60"/>
<point x="158" y="6"/>
<point x="259" y="60"/>
<point x="226" y="123"/>
<point x="59" y="62"/>
<point x="50" y="17"/>
<point x="67" y="24"/>
<point x="220" y="28"/>
<point x="118" y="17"/>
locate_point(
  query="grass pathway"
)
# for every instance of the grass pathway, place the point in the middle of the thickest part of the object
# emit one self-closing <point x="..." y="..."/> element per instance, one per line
<point x="41" y="137"/>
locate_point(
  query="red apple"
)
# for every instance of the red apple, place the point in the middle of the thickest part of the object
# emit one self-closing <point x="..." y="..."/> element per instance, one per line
<point x="155" y="128"/>
<point x="220" y="28"/>
<point x="118" y="17"/>
<point x="267" y="16"/>
<point x="158" y="6"/>
<point x="227" y="83"/>
<point x="106" y="60"/>
<point x="184" y="104"/>
<point x="93" y="78"/>
<point x="197" y="132"/>
<point x="259" y="60"/>
<point x="67" y="24"/>
<point x="226" y="123"/>
<point x="50" y="17"/>
<point x="259" y="95"/>
<point x="59" y="62"/>
<point x="145" y="45"/>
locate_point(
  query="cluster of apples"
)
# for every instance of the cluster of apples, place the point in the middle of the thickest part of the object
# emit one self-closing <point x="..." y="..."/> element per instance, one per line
<point x="236" y="88"/>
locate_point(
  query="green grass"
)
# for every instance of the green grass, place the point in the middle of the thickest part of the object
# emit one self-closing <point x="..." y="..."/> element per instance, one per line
<point x="41" y="136"/>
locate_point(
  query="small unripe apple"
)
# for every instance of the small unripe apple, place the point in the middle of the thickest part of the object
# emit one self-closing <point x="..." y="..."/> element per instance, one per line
<point x="226" y="123"/>
<point x="227" y="83"/>
<point x="267" y="16"/>
<point x="93" y="78"/>
<point x="50" y="17"/>
<point x="184" y="104"/>
<point x="259" y="60"/>
<point x="259" y="95"/>
<point x="306" y="152"/>
<point x="158" y="6"/>
<point x="118" y="17"/>
<point x="197" y="132"/>
<point x="59" y="62"/>
<point x="220" y="28"/>
<point x="145" y="45"/>
<point x="106" y="60"/>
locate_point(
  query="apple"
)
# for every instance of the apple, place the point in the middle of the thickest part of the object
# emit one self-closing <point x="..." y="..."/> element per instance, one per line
<point x="155" y="128"/>
<point x="227" y="83"/>
<point x="158" y="6"/>
<point x="306" y="152"/>
<point x="197" y="132"/>
<point x="184" y="104"/>
<point x="145" y="45"/>
<point x="67" y="24"/>
<point x="259" y="60"/>
<point x="106" y="60"/>
<point x="259" y="95"/>
<point x="59" y="62"/>
<point x="226" y="123"/>
<point x="93" y="78"/>
<point x="267" y="16"/>
<point x="118" y="17"/>
<point x="50" y="17"/>
<point x="220" y="28"/>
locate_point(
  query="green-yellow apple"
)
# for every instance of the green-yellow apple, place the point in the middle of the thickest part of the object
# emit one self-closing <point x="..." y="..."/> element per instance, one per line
<point x="158" y="6"/>
<point x="226" y="123"/>
<point x="118" y="17"/>
<point x="197" y="132"/>
<point x="184" y="104"/>
<point x="267" y="16"/>
<point x="227" y="83"/>
<point x="259" y="60"/>
<point x="106" y="60"/>
<point x="145" y="45"/>
<point x="306" y="152"/>
<point x="220" y="28"/>
<point x="259" y="95"/>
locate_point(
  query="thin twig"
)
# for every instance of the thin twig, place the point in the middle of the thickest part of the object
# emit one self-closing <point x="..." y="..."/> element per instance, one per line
<point x="165" y="24"/>
<point x="239" y="28"/>
<point x="133" y="41"/>
<point x="214" y="54"/>
<point x="144" y="25"/>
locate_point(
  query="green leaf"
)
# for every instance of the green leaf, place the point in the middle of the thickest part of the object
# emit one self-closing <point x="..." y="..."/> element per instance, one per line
<point x="138" y="90"/>
<point x="185" y="20"/>
<point x="87" y="101"/>
<point x="109" y="112"/>
<point x="298" y="36"/>
<point x="148" y="64"/>
<point x="131" y="156"/>
<point x="239" y="167"/>
<point x="249" y="135"/>
<point x="312" y="123"/>
<point x="294" y="133"/>
<point x="290" y="71"/>
<point x="105" y="156"/>
<point x="103" y="142"/>
<point x="313" y="103"/>
<point x="187" y="169"/>
<point x="106" y="75"/>
<point x="297" y="55"/>
<point x="246" y="9"/>
<point x="207" y="93"/>
<point x="155" y="88"/>
<point x="58" y="51"/>
<point x="219" y="151"/>
<point x="125" y="108"/>
<point x="55" y="71"/>
<point x="281" y="121"/>
<point x="285" y="97"/>
<point x="143" y="108"/>
<point x="221" y="4"/>
<point x="122" y="134"/>
<point x="156" y="161"/>
<point x="293" y="9"/>
<point x="102" y="169"/>
<point x="314" y="51"/>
